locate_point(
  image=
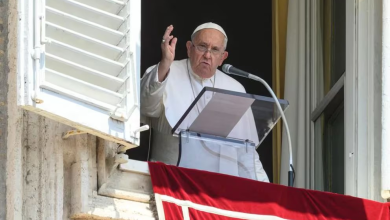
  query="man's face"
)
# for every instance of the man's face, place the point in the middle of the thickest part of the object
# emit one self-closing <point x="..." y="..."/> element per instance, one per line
<point x="206" y="52"/>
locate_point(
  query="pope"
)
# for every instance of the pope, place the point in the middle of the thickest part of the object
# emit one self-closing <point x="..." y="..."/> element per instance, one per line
<point x="169" y="87"/>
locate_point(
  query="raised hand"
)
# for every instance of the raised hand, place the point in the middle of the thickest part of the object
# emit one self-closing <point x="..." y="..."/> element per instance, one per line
<point x="168" y="47"/>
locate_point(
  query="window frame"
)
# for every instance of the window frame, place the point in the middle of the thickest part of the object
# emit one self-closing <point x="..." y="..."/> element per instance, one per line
<point x="360" y="97"/>
<point x="318" y="106"/>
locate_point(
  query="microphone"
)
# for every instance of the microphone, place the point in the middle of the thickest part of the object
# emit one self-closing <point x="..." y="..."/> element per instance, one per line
<point x="229" y="69"/>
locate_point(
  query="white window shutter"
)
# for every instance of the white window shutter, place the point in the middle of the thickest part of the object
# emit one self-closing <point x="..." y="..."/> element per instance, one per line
<point x="83" y="64"/>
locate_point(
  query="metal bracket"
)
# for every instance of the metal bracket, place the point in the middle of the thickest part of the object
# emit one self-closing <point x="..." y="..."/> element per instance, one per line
<point x="42" y="20"/>
<point x="36" y="98"/>
<point x="141" y="129"/>
<point x="122" y="148"/>
<point x="118" y="115"/>
<point x="138" y="130"/>
<point x="36" y="55"/>
<point x="121" y="115"/>
<point x="67" y="134"/>
<point x="188" y="136"/>
<point x="185" y="134"/>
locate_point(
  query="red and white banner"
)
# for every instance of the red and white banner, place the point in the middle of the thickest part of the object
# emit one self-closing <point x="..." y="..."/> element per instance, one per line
<point x="188" y="194"/>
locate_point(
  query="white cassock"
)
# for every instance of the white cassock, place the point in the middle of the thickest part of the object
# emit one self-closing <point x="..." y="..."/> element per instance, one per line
<point x="163" y="103"/>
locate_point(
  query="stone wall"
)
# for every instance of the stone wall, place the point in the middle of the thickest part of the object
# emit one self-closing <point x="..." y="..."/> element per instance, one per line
<point x="3" y="102"/>
<point x="42" y="175"/>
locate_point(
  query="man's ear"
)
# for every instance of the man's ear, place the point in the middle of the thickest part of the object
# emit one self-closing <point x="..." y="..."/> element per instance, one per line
<point x="224" y="56"/>
<point x="188" y="45"/>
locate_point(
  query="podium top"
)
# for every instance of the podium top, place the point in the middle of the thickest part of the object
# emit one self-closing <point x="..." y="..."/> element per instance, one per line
<point x="230" y="114"/>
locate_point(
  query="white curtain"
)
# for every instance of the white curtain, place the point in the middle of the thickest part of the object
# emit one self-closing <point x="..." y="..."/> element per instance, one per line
<point x="297" y="93"/>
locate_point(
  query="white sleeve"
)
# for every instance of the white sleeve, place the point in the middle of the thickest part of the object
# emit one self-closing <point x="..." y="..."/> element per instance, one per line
<point x="152" y="91"/>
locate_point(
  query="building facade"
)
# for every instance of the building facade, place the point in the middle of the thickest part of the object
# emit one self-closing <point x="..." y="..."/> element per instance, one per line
<point x="57" y="164"/>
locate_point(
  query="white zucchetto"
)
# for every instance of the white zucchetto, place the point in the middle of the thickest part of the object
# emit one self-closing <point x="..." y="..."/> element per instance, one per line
<point x="210" y="25"/>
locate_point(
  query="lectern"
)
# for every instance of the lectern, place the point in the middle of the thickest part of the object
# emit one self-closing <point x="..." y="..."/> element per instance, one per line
<point x="221" y="130"/>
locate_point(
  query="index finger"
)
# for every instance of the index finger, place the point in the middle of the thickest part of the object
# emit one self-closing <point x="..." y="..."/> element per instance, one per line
<point x="168" y="31"/>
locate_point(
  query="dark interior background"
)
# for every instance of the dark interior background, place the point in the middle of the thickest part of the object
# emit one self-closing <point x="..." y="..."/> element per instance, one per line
<point x="249" y="29"/>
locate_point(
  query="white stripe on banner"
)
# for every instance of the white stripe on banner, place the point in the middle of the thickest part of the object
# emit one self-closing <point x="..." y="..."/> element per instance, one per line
<point x="186" y="213"/>
<point x="159" y="206"/>
<point x="213" y="210"/>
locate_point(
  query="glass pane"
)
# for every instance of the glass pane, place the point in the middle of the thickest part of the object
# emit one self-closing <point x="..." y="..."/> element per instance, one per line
<point x="335" y="152"/>
<point x="330" y="44"/>
<point x="338" y="44"/>
<point x="329" y="151"/>
<point x="219" y="155"/>
<point x="231" y="114"/>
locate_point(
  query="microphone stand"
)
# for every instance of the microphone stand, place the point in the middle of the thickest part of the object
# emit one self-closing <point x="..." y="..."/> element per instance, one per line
<point x="226" y="68"/>
<point x="290" y="172"/>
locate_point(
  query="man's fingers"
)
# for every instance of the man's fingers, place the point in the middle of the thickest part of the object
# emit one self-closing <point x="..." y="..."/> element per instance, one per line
<point x="167" y="40"/>
<point x="167" y="32"/>
<point x="173" y="43"/>
<point x="168" y="44"/>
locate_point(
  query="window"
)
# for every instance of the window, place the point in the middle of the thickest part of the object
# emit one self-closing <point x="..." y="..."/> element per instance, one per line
<point x="80" y="64"/>
<point x="328" y="115"/>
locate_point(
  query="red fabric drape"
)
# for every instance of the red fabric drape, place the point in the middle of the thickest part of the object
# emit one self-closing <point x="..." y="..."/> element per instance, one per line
<point x="253" y="197"/>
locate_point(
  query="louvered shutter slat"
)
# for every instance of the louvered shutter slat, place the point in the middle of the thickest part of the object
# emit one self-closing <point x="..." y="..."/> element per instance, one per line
<point x="84" y="51"/>
<point x="87" y="12"/>
<point x="84" y="58"/>
<point x="77" y="96"/>
<point x="112" y="6"/>
<point x="82" y="87"/>
<point x="85" y="67"/>
<point x="83" y="73"/>
<point x="84" y="27"/>
<point x="84" y="42"/>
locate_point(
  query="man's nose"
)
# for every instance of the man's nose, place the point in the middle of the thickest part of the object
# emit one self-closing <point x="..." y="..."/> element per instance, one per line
<point x="207" y="54"/>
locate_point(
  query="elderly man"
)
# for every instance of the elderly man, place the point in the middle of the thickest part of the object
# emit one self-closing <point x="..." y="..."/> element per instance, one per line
<point x="168" y="88"/>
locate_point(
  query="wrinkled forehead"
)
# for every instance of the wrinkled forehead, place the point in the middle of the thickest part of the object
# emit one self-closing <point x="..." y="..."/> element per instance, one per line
<point x="209" y="36"/>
